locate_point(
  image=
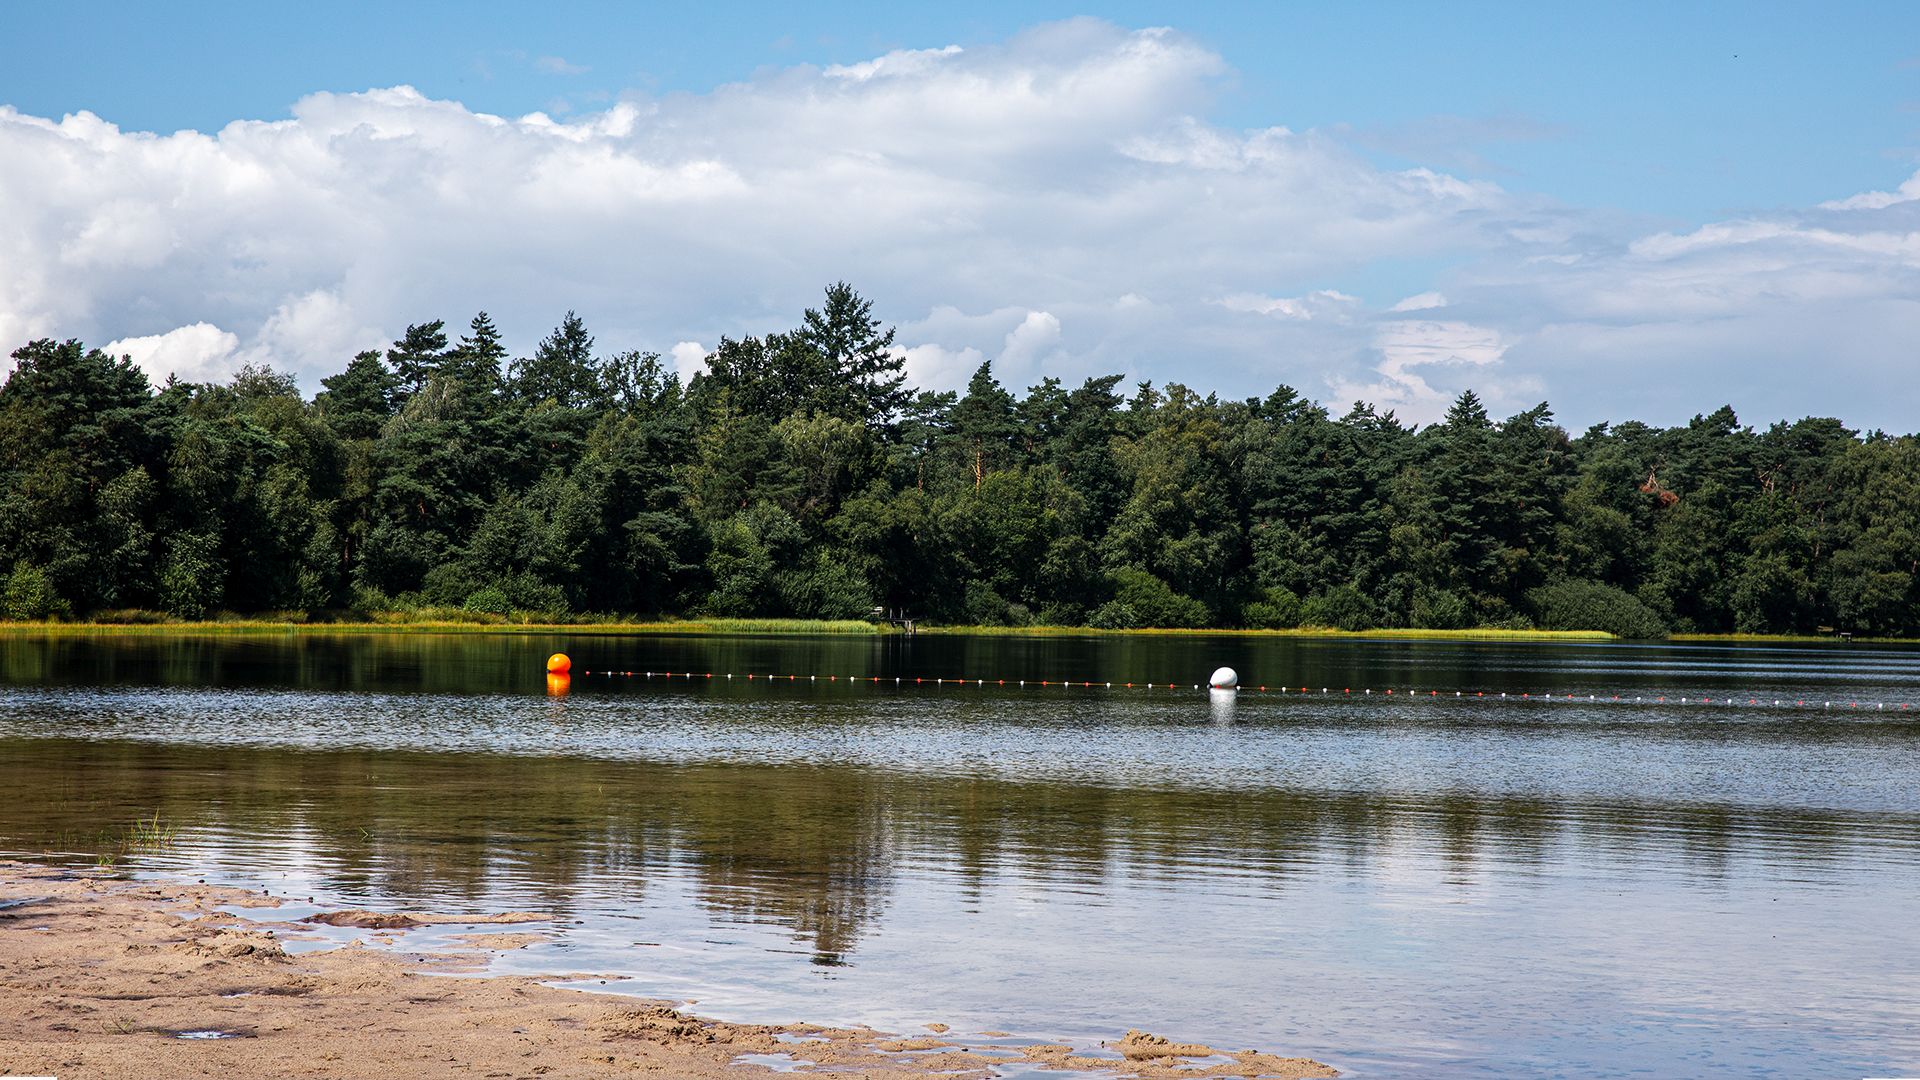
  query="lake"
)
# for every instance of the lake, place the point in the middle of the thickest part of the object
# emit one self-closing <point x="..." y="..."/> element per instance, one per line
<point x="1414" y="884"/>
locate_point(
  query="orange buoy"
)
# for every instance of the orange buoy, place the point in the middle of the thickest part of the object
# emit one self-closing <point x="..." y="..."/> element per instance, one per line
<point x="558" y="683"/>
<point x="558" y="664"/>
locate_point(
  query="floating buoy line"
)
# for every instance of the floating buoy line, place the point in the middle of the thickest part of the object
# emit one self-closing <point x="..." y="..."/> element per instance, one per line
<point x="1347" y="692"/>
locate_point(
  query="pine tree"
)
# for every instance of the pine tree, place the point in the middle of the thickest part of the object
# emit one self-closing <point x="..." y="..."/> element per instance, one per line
<point x="983" y="423"/>
<point x="477" y="359"/>
<point x="358" y="400"/>
<point x="418" y="355"/>
<point x="860" y="365"/>
<point x="562" y="370"/>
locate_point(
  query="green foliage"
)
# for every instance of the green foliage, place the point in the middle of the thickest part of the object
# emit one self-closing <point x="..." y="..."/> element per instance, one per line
<point x="417" y="356"/>
<point x="1343" y="607"/>
<point x="1277" y="609"/>
<point x="359" y="400"/>
<point x="985" y="607"/>
<point x="1572" y="604"/>
<point x="29" y="595"/>
<point x="563" y="370"/>
<point x="491" y="600"/>
<point x="800" y="476"/>
<point x="1144" y="600"/>
<point x="824" y="588"/>
<point x="191" y="576"/>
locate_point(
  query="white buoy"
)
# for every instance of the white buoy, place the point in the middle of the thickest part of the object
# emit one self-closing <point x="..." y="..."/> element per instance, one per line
<point x="1224" y="679"/>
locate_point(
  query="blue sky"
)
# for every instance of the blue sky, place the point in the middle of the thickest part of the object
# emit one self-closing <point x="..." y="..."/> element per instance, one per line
<point x="1604" y="127"/>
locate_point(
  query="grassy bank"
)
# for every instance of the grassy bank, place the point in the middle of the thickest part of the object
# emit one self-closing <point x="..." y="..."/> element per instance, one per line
<point x="441" y="623"/>
<point x="1788" y="639"/>
<point x="451" y="626"/>
<point x="1295" y="632"/>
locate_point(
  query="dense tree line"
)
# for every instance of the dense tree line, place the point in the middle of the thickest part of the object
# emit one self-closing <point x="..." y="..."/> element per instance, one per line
<point x="801" y="475"/>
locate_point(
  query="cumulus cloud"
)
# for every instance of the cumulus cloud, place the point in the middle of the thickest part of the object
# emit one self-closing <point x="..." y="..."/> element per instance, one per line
<point x="689" y="358"/>
<point x="1782" y="315"/>
<point x="1057" y="173"/>
<point x="1411" y="352"/>
<point x="1030" y="340"/>
<point x="193" y="353"/>
<point x="1059" y="202"/>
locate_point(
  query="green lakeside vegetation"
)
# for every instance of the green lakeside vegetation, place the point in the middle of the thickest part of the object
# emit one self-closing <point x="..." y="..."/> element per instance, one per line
<point x="799" y="477"/>
<point x="733" y="627"/>
<point x="528" y="623"/>
<point x="435" y="623"/>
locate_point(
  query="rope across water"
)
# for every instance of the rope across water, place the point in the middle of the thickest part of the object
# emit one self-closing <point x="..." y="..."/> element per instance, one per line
<point x="1363" y="693"/>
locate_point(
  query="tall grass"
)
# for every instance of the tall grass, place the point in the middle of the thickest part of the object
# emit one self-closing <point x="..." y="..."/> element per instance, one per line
<point x="1295" y="632"/>
<point x="457" y="621"/>
<point x="445" y="622"/>
<point x="109" y="846"/>
<point x="1825" y="639"/>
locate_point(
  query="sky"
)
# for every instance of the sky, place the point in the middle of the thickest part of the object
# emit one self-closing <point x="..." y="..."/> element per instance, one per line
<point x="1632" y="211"/>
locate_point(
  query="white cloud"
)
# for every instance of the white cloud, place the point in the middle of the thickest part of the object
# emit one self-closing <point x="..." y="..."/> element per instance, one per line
<point x="936" y="367"/>
<point x="1409" y="352"/>
<point x="897" y="63"/>
<point x="1058" y="202"/>
<point x="1322" y="303"/>
<point x="1877" y="200"/>
<point x="194" y="353"/>
<point x="1020" y="359"/>
<point x="689" y="358"/>
<point x="558" y="65"/>
<point x="1421" y="302"/>
<point x="1028" y="343"/>
<point x="1051" y="173"/>
<point x="310" y="333"/>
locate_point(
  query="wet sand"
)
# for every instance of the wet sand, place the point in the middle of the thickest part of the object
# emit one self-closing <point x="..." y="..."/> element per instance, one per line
<point x="104" y="978"/>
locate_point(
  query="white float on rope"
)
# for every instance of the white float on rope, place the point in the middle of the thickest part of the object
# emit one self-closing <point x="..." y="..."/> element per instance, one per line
<point x="1224" y="679"/>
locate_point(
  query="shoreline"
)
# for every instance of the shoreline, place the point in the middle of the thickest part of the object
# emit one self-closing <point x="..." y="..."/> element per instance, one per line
<point x="753" y="628"/>
<point x="115" y="978"/>
<point x="858" y="629"/>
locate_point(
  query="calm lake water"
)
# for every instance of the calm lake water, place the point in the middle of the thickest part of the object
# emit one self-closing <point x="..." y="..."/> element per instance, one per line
<point x="1431" y="886"/>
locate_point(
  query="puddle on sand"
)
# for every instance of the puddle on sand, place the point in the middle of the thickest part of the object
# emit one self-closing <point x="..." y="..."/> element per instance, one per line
<point x="791" y="1038"/>
<point x="208" y="1033"/>
<point x="781" y="1063"/>
<point x="1196" y="1064"/>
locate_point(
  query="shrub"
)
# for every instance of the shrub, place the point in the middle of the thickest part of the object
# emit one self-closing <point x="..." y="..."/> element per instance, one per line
<point x="30" y="595"/>
<point x="527" y="593"/>
<point x="1154" y="603"/>
<point x="1574" y="604"/>
<point x="1113" y="615"/>
<point x="450" y="584"/>
<point x="1343" y="607"/>
<point x="192" y="576"/>
<point x="490" y="600"/>
<point x="130" y="617"/>
<point x="983" y="606"/>
<point x="1061" y="613"/>
<point x="1278" y="609"/>
<point x="1440" y="609"/>
<point x="827" y="588"/>
<point x="367" y="599"/>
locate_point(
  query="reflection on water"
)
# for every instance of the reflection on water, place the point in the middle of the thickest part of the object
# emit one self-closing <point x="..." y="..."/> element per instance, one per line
<point x="1435" y="887"/>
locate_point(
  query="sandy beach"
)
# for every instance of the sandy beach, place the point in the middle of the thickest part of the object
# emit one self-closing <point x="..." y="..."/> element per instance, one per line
<point x="106" y="978"/>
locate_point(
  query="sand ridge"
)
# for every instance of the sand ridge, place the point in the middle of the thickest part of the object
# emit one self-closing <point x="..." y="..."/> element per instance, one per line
<point x="103" y="978"/>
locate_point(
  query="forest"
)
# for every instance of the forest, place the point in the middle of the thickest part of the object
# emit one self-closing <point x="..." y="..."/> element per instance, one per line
<point x="801" y="475"/>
